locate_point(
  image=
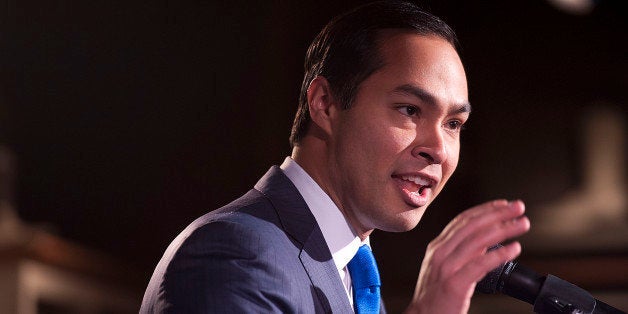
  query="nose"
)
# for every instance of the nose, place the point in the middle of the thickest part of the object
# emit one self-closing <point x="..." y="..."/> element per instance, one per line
<point x="431" y="146"/>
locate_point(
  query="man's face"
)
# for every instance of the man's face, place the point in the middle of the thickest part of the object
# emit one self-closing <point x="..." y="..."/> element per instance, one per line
<point x="392" y="152"/>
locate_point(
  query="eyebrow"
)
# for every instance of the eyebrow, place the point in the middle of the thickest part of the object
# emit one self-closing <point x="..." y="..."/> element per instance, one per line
<point x="427" y="97"/>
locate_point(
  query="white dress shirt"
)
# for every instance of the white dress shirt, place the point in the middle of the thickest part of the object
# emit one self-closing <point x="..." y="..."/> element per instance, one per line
<point x="342" y="241"/>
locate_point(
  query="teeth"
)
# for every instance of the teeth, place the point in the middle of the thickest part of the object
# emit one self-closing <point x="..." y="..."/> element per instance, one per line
<point x="417" y="180"/>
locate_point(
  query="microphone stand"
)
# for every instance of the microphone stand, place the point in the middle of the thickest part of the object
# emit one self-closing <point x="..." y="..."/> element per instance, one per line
<point x="549" y="294"/>
<point x="558" y="296"/>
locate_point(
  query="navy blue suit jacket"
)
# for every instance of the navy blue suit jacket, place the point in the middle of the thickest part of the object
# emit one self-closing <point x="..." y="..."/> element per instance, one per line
<point x="262" y="253"/>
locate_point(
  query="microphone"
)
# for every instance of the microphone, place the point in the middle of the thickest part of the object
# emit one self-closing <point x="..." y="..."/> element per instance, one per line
<point x="549" y="294"/>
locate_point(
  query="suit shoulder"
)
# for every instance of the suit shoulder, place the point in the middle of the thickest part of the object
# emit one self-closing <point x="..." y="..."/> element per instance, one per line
<point x="253" y="210"/>
<point x="237" y="228"/>
<point x="230" y="256"/>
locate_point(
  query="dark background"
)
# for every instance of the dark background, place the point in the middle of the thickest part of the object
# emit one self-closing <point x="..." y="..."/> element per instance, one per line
<point x="130" y="119"/>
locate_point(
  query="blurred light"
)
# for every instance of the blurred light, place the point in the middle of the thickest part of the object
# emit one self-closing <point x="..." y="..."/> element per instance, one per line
<point x="577" y="7"/>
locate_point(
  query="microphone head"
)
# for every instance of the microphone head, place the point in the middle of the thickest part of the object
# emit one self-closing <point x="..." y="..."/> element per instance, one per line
<point x="490" y="283"/>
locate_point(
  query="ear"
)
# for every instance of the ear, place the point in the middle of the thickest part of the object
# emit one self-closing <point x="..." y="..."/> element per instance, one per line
<point x="320" y="102"/>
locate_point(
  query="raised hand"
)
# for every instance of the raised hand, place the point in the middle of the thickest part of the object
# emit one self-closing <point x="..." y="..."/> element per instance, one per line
<point x="458" y="258"/>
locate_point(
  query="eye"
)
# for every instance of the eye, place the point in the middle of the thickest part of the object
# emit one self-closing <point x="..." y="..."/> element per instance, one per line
<point x="408" y="110"/>
<point x="455" y="125"/>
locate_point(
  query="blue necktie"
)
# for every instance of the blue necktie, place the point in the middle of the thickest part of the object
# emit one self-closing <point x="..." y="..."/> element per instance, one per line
<point x="365" y="281"/>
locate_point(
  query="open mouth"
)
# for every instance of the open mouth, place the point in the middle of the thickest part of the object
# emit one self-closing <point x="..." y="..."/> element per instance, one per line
<point x="414" y="184"/>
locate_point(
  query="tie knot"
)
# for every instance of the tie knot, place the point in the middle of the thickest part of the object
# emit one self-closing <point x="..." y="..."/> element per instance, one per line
<point x="363" y="269"/>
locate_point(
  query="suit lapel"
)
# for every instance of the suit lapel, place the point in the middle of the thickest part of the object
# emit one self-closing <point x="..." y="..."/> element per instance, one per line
<point x="300" y="224"/>
<point x="324" y="275"/>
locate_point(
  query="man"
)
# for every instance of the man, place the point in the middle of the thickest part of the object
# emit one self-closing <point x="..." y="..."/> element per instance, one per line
<point x="375" y="139"/>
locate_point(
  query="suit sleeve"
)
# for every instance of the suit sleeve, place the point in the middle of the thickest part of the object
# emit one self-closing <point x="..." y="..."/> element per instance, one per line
<point x="225" y="267"/>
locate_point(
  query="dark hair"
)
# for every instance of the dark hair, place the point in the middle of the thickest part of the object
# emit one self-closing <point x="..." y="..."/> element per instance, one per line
<point x="345" y="52"/>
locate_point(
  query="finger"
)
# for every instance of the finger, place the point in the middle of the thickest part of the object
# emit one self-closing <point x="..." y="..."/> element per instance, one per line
<point x="483" y="215"/>
<point x="477" y="243"/>
<point x="473" y="212"/>
<point x="475" y="220"/>
<point x="479" y="267"/>
<point x="462" y="219"/>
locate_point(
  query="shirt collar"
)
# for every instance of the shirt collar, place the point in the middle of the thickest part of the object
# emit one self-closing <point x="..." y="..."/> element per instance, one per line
<point x="341" y="240"/>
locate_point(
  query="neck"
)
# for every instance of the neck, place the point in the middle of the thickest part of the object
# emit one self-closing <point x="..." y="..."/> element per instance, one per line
<point x="312" y="155"/>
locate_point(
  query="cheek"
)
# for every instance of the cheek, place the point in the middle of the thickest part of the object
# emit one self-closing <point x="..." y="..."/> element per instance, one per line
<point x="372" y="142"/>
<point x="400" y="139"/>
<point x="384" y="145"/>
<point x="370" y="134"/>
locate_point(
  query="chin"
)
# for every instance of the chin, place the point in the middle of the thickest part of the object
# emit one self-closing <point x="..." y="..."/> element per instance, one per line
<point x="405" y="221"/>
